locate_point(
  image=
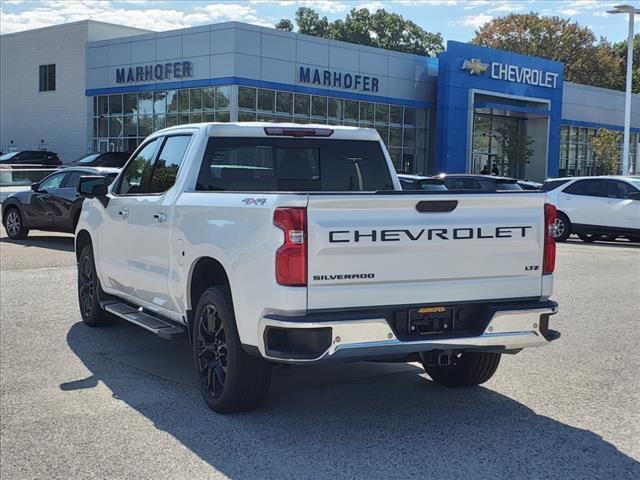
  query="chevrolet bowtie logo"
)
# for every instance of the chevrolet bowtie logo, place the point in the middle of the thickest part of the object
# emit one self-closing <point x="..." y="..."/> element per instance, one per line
<point x="475" y="66"/>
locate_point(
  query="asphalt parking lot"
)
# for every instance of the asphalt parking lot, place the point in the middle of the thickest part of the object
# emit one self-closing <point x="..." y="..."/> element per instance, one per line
<point x="121" y="403"/>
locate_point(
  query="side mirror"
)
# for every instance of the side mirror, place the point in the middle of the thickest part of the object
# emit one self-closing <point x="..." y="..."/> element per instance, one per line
<point x="634" y="196"/>
<point x="92" y="186"/>
<point x="35" y="186"/>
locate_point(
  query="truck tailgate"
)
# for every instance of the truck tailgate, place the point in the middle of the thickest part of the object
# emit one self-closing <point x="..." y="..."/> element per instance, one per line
<point x="379" y="249"/>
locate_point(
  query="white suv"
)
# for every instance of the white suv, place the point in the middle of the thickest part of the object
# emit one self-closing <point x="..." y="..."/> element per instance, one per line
<point x="595" y="208"/>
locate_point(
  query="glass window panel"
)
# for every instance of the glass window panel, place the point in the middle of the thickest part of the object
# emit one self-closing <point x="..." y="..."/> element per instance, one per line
<point x="582" y="135"/>
<point x="183" y="101"/>
<point x="422" y="118"/>
<point x="266" y="100"/>
<point x="564" y="151"/>
<point x="223" y="116"/>
<point x="396" y="158"/>
<point x="367" y="112"/>
<point x="284" y="102"/>
<point x="195" y="117"/>
<point x="395" y="115"/>
<point x="103" y="127"/>
<point x="409" y="116"/>
<point x="115" y="104"/>
<point x="301" y="104"/>
<point x="351" y="110"/>
<point x="160" y="102"/>
<point x="395" y="137"/>
<point x="172" y="120"/>
<point x="334" y="109"/>
<point x="481" y="124"/>
<point x="223" y="98"/>
<point x="130" y="103"/>
<point x="382" y="114"/>
<point x="208" y="117"/>
<point x="145" y="125"/>
<point x="481" y="143"/>
<point x="183" y="118"/>
<point x="208" y="98"/>
<point x="115" y="126"/>
<point x="319" y="106"/>
<point x="95" y="106"/>
<point x="284" y="118"/>
<point x="159" y="122"/>
<point x="246" y="116"/>
<point x="572" y="151"/>
<point x="564" y="133"/>
<point x="172" y="101"/>
<point x="145" y="103"/>
<point x="384" y="134"/>
<point x="195" y="95"/>
<point x="137" y="173"/>
<point x="247" y="98"/>
<point x="301" y="120"/>
<point x="266" y="117"/>
<point x="130" y="125"/>
<point x="573" y="134"/>
<point x="409" y="138"/>
<point x="408" y="161"/>
<point x="103" y="106"/>
<point x="166" y="166"/>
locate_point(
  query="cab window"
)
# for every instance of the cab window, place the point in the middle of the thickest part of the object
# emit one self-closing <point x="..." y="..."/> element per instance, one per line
<point x="168" y="162"/>
<point x="137" y="174"/>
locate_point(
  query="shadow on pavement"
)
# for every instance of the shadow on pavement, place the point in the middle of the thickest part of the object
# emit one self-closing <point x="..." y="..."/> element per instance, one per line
<point x="53" y="242"/>
<point x="620" y="243"/>
<point x="362" y="420"/>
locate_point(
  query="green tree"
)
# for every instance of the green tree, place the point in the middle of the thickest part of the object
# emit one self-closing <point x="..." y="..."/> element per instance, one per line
<point x="381" y="29"/>
<point x="517" y="149"/>
<point x="606" y="151"/>
<point x="586" y="59"/>
<point x="620" y="50"/>
<point x="285" y="25"/>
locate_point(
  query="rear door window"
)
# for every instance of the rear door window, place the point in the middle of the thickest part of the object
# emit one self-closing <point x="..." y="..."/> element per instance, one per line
<point x="618" y="189"/>
<point x="553" y="184"/>
<point x="587" y="188"/>
<point x="286" y="164"/>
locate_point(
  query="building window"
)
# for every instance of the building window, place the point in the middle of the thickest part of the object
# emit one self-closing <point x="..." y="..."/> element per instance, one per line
<point x="47" y="77"/>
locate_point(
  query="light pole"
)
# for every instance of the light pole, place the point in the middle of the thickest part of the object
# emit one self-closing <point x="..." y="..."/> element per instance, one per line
<point x="627" y="99"/>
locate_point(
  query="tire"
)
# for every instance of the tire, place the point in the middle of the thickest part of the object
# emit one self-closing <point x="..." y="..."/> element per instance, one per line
<point x="561" y="228"/>
<point x="230" y="379"/>
<point x="609" y="238"/>
<point x="468" y="369"/>
<point x="88" y="286"/>
<point x="13" y="224"/>
<point x="589" y="237"/>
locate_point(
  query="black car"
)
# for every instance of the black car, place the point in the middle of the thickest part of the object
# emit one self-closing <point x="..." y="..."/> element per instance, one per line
<point x="52" y="204"/>
<point x="105" y="159"/>
<point x="418" y="182"/>
<point x="463" y="181"/>
<point x="30" y="159"/>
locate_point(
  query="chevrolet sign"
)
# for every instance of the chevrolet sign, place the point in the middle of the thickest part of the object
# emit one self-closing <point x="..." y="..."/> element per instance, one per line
<point x="512" y="73"/>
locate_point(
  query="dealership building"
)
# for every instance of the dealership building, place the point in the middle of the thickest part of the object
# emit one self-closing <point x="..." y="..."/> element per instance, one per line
<point x="92" y="86"/>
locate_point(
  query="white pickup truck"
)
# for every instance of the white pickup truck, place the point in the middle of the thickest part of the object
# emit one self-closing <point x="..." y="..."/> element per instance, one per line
<point x="278" y="243"/>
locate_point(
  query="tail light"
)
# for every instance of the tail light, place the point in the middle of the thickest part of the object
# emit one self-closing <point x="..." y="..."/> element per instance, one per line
<point x="549" y="258"/>
<point x="291" y="257"/>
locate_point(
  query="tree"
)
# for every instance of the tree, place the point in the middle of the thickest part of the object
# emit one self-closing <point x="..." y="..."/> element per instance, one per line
<point x="606" y="151"/>
<point x="620" y="50"/>
<point x="586" y="59"/>
<point x="381" y="29"/>
<point x="517" y="149"/>
<point x="285" y="25"/>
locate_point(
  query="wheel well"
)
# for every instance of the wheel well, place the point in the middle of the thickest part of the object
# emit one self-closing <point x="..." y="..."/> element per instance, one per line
<point x="206" y="273"/>
<point x="82" y="239"/>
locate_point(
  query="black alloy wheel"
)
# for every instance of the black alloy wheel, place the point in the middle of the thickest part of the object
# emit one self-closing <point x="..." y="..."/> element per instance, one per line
<point x="211" y="351"/>
<point x="86" y="285"/>
<point x="13" y="225"/>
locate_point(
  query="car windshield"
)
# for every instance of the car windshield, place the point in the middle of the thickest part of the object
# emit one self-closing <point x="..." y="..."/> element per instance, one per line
<point x="8" y="156"/>
<point x="87" y="158"/>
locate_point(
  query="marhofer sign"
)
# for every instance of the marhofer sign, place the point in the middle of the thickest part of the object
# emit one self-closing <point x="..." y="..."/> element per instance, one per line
<point x="512" y="73"/>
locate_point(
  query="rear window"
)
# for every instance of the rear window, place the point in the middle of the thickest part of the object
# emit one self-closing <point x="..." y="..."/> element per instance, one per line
<point x="507" y="185"/>
<point x="292" y="164"/>
<point x="553" y="184"/>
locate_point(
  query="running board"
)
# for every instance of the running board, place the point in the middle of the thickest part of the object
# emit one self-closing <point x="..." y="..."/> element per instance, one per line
<point x="154" y="324"/>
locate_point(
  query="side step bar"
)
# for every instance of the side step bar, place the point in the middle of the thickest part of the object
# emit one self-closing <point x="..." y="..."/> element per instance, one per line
<point x="161" y="327"/>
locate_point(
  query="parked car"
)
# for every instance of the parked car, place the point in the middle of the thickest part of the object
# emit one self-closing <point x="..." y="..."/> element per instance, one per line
<point x="419" y="182"/>
<point x="294" y="244"/>
<point x="595" y="208"/>
<point x="30" y="159"/>
<point x="52" y="204"/>
<point x="106" y="159"/>
<point x="529" y="185"/>
<point x="464" y="181"/>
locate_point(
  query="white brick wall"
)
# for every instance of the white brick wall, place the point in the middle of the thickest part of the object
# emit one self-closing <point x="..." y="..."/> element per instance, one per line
<point x="59" y="117"/>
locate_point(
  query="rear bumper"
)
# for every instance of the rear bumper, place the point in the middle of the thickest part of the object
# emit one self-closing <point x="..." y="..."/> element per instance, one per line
<point x="318" y="337"/>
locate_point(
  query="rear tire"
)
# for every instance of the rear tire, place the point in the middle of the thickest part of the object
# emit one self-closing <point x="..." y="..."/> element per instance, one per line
<point x="468" y="370"/>
<point x="230" y="379"/>
<point x="13" y="224"/>
<point x="88" y="287"/>
<point x="561" y="227"/>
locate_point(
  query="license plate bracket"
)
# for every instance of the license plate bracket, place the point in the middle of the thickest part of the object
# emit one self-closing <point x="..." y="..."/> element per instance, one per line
<point x="430" y="320"/>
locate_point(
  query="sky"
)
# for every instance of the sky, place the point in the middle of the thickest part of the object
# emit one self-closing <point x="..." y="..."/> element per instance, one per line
<point x="454" y="19"/>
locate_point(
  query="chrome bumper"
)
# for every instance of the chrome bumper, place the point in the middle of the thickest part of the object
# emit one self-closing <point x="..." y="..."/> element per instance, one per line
<point x="373" y="338"/>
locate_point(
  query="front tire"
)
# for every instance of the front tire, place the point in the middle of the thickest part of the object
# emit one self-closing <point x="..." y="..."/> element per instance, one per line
<point x="88" y="287"/>
<point x="230" y="379"/>
<point x="13" y="224"/>
<point x="561" y="227"/>
<point x="468" y="369"/>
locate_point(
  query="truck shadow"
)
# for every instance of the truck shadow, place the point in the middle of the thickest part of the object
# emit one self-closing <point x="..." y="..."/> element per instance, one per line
<point x="359" y="420"/>
<point x="51" y="242"/>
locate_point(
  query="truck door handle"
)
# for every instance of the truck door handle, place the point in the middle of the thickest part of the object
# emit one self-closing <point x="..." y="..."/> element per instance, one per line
<point x="123" y="213"/>
<point x="160" y="216"/>
<point x="436" y="206"/>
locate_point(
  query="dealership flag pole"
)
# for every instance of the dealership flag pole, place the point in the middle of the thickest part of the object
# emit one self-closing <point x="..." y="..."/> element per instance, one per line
<point x="627" y="100"/>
